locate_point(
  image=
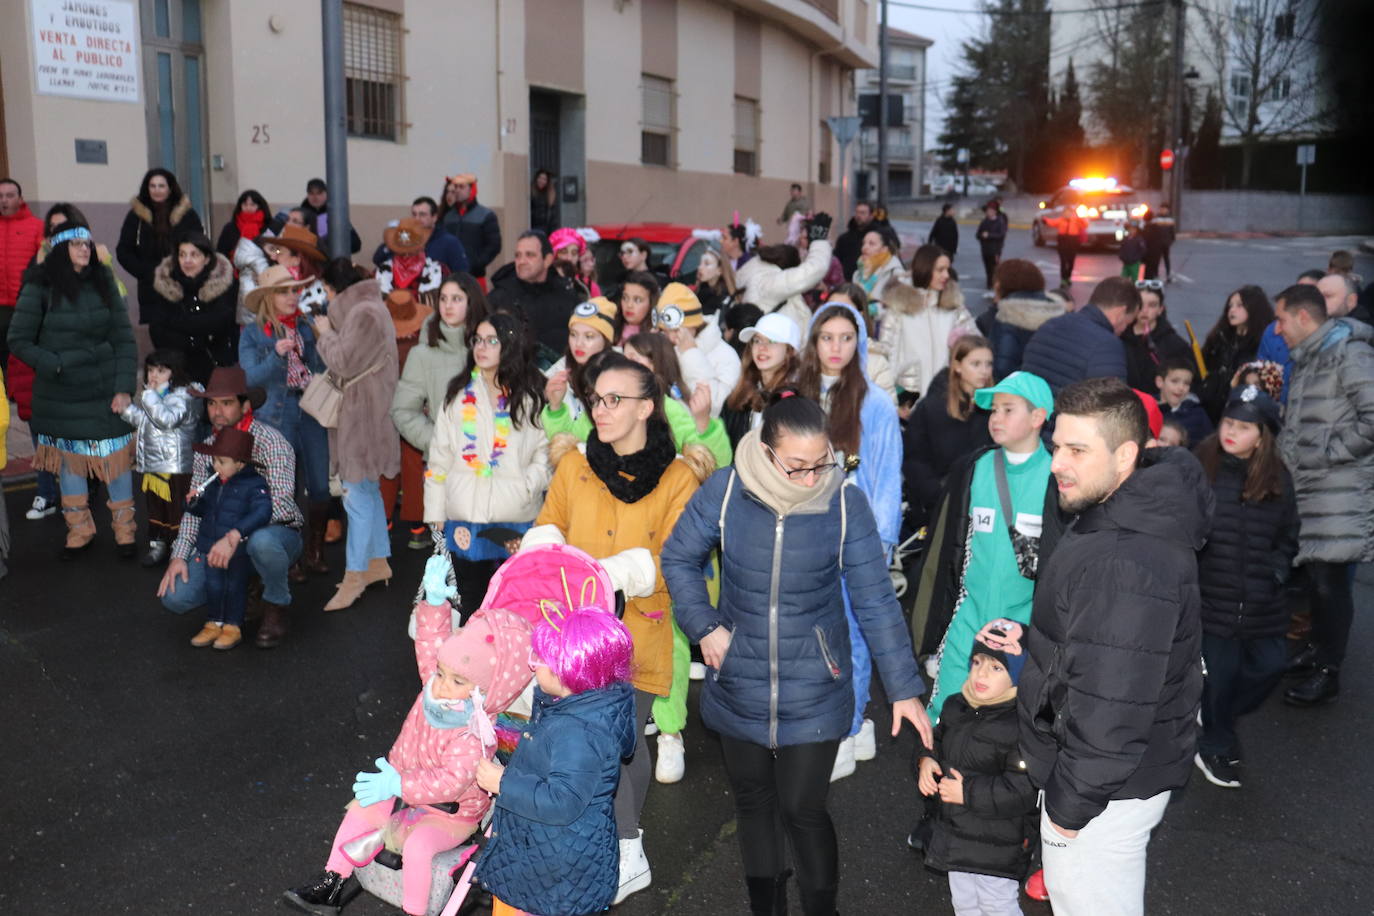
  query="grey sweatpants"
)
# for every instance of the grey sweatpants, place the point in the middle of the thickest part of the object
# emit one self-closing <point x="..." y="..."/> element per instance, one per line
<point x="636" y="775"/>
<point x="984" y="895"/>
<point x="1101" y="871"/>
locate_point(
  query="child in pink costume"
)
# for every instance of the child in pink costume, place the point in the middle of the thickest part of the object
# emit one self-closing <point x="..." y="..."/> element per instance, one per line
<point x="469" y="677"/>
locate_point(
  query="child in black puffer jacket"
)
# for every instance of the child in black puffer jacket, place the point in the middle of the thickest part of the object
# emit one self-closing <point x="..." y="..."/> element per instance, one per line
<point x="987" y="803"/>
<point x="1241" y="574"/>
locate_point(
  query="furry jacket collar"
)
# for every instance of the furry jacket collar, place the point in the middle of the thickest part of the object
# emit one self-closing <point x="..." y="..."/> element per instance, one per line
<point x="1028" y="311"/>
<point x="219" y="277"/>
<point x="905" y="299"/>
<point x="141" y="210"/>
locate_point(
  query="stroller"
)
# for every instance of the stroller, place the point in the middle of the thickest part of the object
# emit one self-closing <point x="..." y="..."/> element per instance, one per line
<point x="526" y="585"/>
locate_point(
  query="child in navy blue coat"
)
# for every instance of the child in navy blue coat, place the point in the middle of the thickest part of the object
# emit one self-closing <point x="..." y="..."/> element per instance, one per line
<point x="554" y="848"/>
<point x="233" y="505"/>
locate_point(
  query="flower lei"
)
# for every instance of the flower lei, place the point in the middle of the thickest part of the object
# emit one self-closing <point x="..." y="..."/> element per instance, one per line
<point x="502" y="433"/>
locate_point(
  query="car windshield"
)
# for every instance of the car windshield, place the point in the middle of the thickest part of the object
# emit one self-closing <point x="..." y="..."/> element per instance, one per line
<point x="607" y="251"/>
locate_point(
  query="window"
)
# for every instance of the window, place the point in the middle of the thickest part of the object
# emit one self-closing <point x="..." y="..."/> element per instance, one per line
<point x="373" y="78"/>
<point x="656" y="129"/>
<point x="1285" y="24"/>
<point x="826" y="163"/>
<point x="746" y="136"/>
<point x="1281" y="88"/>
<point x="1240" y="85"/>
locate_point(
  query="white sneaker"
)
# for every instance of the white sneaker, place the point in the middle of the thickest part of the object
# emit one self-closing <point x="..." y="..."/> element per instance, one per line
<point x="844" y="760"/>
<point x="698" y="671"/>
<point x="41" y="508"/>
<point x="672" y="762"/>
<point x="650" y="727"/>
<point x="634" y="868"/>
<point x="865" y="742"/>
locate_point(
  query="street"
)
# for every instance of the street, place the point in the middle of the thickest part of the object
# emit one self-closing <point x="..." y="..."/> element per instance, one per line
<point x="143" y="776"/>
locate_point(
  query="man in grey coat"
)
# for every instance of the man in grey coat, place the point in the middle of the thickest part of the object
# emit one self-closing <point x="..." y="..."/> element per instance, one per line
<point x="1328" y="444"/>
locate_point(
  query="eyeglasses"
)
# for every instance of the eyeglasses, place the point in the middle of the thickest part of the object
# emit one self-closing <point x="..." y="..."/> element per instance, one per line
<point x="629" y="250"/>
<point x="612" y="401"/>
<point x="819" y="470"/>
<point x="474" y="342"/>
<point x="1154" y="285"/>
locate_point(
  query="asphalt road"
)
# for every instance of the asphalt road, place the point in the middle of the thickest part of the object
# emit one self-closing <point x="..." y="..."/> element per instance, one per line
<point x="1206" y="270"/>
<point x="141" y="776"/>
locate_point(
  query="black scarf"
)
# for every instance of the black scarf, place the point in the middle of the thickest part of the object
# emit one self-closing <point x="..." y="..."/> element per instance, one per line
<point x="630" y="478"/>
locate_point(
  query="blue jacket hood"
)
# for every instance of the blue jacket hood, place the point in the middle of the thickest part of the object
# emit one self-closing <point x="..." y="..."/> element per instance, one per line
<point x="862" y="351"/>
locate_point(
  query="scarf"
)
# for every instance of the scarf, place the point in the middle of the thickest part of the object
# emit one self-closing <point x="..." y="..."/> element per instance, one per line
<point x="445" y="713"/>
<point x="630" y="478"/>
<point x="406" y="269"/>
<point x="250" y="224"/>
<point x="976" y="701"/>
<point x="760" y="474"/>
<point x="873" y="263"/>
<point x="246" y="422"/>
<point x="298" y="375"/>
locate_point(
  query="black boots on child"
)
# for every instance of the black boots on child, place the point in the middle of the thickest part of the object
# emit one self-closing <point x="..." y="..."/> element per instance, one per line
<point x="325" y="894"/>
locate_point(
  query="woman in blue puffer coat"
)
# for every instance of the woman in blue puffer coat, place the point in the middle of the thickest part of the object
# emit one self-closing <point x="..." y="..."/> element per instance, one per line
<point x="782" y="694"/>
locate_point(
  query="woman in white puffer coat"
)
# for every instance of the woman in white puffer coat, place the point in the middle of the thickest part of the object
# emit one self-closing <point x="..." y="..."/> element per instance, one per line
<point x="920" y="321"/>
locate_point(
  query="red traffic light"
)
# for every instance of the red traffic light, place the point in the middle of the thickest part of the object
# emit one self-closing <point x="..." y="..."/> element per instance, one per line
<point x="1166" y="159"/>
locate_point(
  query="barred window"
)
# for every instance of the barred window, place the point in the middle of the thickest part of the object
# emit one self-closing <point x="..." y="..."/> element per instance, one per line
<point x="656" y="131"/>
<point x="746" y="136"/>
<point x="374" y="81"/>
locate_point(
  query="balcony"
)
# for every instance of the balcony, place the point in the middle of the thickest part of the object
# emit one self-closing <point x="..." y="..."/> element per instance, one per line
<point x="896" y="152"/>
<point x="902" y="73"/>
<point x="831" y="8"/>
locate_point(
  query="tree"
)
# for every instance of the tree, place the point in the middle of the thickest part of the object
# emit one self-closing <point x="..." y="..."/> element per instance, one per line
<point x="1129" y="90"/>
<point x="1066" y="118"/>
<point x="999" y="100"/>
<point x="1204" y="162"/>
<point x="1266" y="63"/>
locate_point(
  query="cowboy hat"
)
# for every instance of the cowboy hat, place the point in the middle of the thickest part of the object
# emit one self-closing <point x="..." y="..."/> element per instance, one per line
<point x="230" y="382"/>
<point x="229" y="442"/>
<point x="302" y="241"/>
<point x="269" y="281"/>
<point x="406" y="313"/>
<point x="406" y="237"/>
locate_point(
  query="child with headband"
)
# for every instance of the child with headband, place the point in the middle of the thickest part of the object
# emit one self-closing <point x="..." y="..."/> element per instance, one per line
<point x="554" y="848"/>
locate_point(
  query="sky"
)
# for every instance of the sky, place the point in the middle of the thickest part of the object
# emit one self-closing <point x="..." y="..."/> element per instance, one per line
<point x="948" y="31"/>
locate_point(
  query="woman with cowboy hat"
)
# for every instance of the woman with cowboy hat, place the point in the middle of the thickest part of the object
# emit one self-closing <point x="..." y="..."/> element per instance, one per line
<point x="72" y="327"/>
<point x="298" y="250"/>
<point x="277" y="351"/>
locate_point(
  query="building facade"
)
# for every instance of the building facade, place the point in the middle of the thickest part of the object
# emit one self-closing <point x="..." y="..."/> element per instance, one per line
<point x="906" y="121"/>
<point x="681" y="110"/>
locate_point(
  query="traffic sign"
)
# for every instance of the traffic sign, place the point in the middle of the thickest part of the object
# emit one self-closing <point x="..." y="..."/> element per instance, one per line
<point x="1166" y="159"/>
<point x="1307" y="154"/>
<point x="844" y="129"/>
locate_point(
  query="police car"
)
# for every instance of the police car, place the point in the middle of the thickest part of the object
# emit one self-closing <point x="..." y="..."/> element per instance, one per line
<point x="1106" y="206"/>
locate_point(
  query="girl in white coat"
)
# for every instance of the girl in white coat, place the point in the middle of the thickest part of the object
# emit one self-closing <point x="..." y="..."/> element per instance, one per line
<point x="489" y="458"/>
<point x="702" y="353"/>
<point x="921" y="321"/>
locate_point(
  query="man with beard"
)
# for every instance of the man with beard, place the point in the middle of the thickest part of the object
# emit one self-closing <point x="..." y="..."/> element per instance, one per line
<point x="1110" y="692"/>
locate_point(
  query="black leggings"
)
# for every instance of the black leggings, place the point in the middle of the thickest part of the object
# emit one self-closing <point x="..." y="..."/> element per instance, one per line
<point x="781" y="796"/>
<point x="1333" y="610"/>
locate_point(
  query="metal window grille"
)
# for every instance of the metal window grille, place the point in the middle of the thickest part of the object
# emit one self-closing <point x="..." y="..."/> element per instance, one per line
<point x="374" y="79"/>
<point x="746" y="136"/>
<point x="656" y="129"/>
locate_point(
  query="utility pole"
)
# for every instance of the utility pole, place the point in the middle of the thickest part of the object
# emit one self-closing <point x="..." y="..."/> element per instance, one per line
<point x="1176" y="117"/>
<point x="335" y="129"/>
<point x="882" y="109"/>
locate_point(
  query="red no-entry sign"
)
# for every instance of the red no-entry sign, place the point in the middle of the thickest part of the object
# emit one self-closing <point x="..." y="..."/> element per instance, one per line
<point x="1166" y="159"/>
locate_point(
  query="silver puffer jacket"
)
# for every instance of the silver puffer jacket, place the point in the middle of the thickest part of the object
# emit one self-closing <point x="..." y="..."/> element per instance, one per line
<point x="166" y="425"/>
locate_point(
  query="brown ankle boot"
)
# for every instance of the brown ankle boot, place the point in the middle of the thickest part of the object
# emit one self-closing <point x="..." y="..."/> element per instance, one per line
<point x="273" y="627"/>
<point x="80" y="525"/>
<point x="350" y="590"/>
<point x="125" y="524"/>
<point x="313" y="559"/>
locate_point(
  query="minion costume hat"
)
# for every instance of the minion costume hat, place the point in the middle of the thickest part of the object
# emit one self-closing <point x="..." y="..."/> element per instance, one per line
<point x="679" y="307"/>
<point x="599" y="313"/>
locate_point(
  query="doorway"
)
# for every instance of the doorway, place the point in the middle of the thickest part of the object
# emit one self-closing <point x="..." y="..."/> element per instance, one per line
<point x="174" y="72"/>
<point x="558" y="144"/>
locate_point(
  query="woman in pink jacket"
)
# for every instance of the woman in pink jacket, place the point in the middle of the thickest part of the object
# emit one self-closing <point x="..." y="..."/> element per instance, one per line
<point x="469" y="677"/>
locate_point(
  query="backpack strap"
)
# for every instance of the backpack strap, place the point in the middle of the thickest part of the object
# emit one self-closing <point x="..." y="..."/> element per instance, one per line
<point x="729" y="488"/>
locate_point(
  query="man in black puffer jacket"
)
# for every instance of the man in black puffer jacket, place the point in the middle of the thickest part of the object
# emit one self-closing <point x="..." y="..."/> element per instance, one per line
<point x="1109" y="697"/>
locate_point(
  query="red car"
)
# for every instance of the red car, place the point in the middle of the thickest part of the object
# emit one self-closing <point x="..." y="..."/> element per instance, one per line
<point x="674" y="249"/>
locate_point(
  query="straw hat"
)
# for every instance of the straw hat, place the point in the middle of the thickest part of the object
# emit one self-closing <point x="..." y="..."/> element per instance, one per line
<point x="302" y="241"/>
<point x="406" y="237"/>
<point x="269" y="281"/>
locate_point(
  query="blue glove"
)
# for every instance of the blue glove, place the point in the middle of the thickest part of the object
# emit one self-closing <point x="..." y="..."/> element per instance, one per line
<point x="372" y="788"/>
<point x="435" y="581"/>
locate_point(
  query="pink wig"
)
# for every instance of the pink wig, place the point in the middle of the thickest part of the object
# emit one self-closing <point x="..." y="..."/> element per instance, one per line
<point x="587" y="649"/>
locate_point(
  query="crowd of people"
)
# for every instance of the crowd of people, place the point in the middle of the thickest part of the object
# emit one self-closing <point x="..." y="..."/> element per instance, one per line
<point x="1097" y="508"/>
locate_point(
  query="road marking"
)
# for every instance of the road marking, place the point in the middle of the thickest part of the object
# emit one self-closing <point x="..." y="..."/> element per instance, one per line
<point x="1181" y="278"/>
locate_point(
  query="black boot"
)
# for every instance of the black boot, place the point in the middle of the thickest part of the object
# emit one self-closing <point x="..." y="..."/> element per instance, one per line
<point x="1303" y="664"/>
<point x="819" y="901"/>
<point x="1321" y="687"/>
<point x="325" y="894"/>
<point x="768" y="896"/>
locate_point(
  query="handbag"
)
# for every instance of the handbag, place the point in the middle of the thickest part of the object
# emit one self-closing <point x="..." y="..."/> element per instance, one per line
<point x="323" y="397"/>
<point x="1026" y="548"/>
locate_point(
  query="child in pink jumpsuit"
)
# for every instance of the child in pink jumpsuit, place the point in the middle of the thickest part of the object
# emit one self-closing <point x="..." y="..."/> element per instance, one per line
<point x="469" y="677"/>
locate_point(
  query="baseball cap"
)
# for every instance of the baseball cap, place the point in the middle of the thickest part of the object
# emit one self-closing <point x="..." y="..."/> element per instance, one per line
<point x="1027" y="385"/>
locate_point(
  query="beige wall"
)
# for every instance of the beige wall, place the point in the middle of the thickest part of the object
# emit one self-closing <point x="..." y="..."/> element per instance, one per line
<point x="785" y="109"/>
<point x="706" y="71"/>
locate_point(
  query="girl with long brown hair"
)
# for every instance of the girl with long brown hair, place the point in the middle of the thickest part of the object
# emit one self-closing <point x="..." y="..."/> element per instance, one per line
<point x="863" y="428"/>
<point x="770" y="363"/>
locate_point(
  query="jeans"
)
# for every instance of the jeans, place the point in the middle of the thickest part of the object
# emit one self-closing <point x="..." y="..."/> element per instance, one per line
<point x="367" y="534"/>
<point x="310" y="441"/>
<point x="1240" y="674"/>
<point x="226" y="590"/>
<point x="779" y="796"/>
<point x="120" y="488"/>
<point x="272" y="550"/>
<point x="1101" y="872"/>
<point x="862" y="661"/>
<point x="47" y="480"/>
<point x="636" y="775"/>
<point x="1333" y="609"/>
